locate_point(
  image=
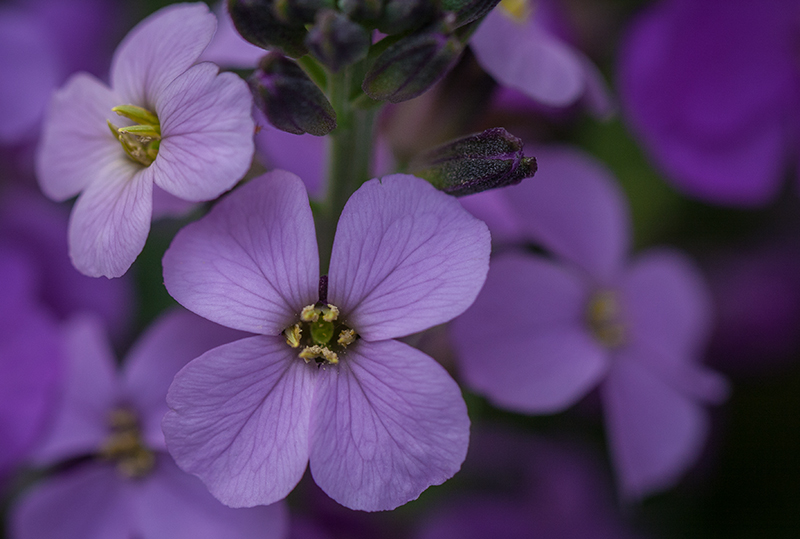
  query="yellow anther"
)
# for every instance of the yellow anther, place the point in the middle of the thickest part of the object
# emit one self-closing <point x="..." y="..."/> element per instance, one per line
<point x="519" y="10"/>
<point x="330" y="313"/>
<point x="309" y="314"/>
<point x="330" y="356"/>
<point x="346" y="336"/>
<point x="293" y="335"/>
<point x="310" y="352"/>
<point x="605" y="317"/>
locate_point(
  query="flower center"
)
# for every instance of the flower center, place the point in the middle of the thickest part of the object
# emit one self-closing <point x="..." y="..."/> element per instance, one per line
<point x="519" y="10"/>
<point x="319" y="335"/>
<point x="141" y="140"/>
<point x="604" y="315"/>
<point x="125" y="446"/>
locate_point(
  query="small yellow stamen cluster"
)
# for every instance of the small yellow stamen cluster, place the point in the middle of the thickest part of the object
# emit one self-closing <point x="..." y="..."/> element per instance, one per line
<point x="604" y="315"/>
<point x="315" y="333"/>
<point x="142" y="140"/>
<point x="125" y="445"/>
<point x="519" y="10"/>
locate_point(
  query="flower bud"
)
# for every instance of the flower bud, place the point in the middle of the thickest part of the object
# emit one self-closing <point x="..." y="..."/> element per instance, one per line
<point x="336" y="41"/>
<point x="401" y="16"/>
<point x="366" y="11"/>
<point x="258" y="23"/>
<point x="476" y="163"/>
<point x="289" y="99"/>
<point x="412" y="65"/>
<point x="467" y="11"/>
<point x="299" y="11"/>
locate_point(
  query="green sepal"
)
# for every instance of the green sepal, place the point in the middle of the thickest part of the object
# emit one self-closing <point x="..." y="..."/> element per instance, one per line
<point x="137" y="114"/>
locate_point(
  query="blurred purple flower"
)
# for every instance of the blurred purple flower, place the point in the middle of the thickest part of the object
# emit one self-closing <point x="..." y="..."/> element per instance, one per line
<point x="189" y="132"/>
<point x="228" y="49"/>
<point x="517" y="45"/>
<point x="379" y="421"/>
<point x="710" y="88"/>
<point x="546" y="331"/>
<point x="129" y="487"/>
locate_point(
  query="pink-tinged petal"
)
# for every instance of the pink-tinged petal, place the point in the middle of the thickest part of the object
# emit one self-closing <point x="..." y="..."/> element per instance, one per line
<point x="524" y="343"/>
<point x="388" y="423"/>
<point x="158" y="49"/>
<point x="86" y="502"/>
<point x="525" y="57"/>
<point x="667" y="302"/>
<point x="406" y="257"/>
<point x="252" y="262"/>
<point x="90" y="391"/>
<point x="171" y="342"/>
<point x="77" y="148"/>
<point x="111" y="220"/>
<point x="574" y="207"/>
<point x="228" y="49"/>
<point x="239" y="420"/>
<point x="171" y="504"/>
<point x="655" y="432"/>
<point x="207" y="131"/>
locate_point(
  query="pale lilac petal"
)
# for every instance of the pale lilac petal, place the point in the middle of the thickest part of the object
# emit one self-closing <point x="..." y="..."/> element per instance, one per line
<point x="207" y="132"/>
<point x="77" y="148"/>
<point x="229" y="49"/>
<point x="171" y="504"/>
<point x="90" y="392"/>
<point x="524" y="343"/>
<point x="655" y="431"/>
<point x="406" y="257"/>
<point x="158" y="49"/>
<point x="386" y="425"/>
<point x="252" y="262"/>
<point x="111" y="220"/>
<point x="173" y="340"/>
<point x="239" y="420"/>
<point x="86" y="502"/>
<point x="525" y="57"/>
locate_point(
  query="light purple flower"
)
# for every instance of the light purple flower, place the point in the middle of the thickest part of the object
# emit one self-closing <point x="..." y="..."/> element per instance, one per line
<point x="546" y="331"/>
<point x="129" y="487"/>
<point x="186" y="129"/>
<point x="379" y="421"/>
<point x="710" y="88"/>
<point x="515" y="44"/>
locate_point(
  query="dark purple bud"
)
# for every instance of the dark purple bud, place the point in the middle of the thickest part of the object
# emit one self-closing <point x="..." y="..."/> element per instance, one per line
<point x="366" y="11"/>
<point x="401" y="16"/>
<point x="336" y="41"/>
<point x="300" y="11"/>
<point x="476" y="163"/>
<point x="467" y="11"/>
<point x="258" y="23"/>
<point x="412" y="65"/>
<point x="289" y="99"/>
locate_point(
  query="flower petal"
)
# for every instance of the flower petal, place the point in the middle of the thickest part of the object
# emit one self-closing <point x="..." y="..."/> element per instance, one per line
<point x="168" y="344"/>
<point x="77" y="148"/>
<point x="111" y="220"/>
<point x="523" y="343"/>
<point x="171" y="504"/>
<point x="207" y="131"/>
<point x="158" y="49"/>
<point x="252" y="262"/>
<point x="86" y="502"/>
<point x="387" y="424"/>
<point x="239" y="420"/>
<point x="655" y="431"/>
<point x="406" y="257"/>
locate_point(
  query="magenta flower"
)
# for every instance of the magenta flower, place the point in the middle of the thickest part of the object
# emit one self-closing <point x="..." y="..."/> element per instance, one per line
<point x="710" y="88"/>
<point x="128" y="486"/>
<point x="185" y="129"/>
<point x="324" y="381"/>
<point x="546" y="331"/>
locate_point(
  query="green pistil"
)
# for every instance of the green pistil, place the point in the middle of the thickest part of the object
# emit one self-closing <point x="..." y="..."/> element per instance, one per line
<point x="140" y="141"/>
<point x="321" y="331"/>
<point x="319" y="334"/>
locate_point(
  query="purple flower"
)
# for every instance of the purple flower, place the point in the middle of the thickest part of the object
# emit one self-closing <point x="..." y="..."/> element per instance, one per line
<point x="129" y="487"/>
<point x="516" y="44"/>
<point x="186" y="129"/>
<point x="324" y="381"/>
<point x="546" y="331"/>
<point x="710" y="88"/>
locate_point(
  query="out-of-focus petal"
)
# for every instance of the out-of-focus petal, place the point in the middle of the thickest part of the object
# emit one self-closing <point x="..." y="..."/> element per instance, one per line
<point x="90" y="391"/>
<point x="252" y="262"/>
<point x="207" y="131"/>
<point x="524" y="343"/>
<point x="158" y="49"/>
<point x="655" y="431"/>
<point x="304" y="155"/>
<point x="171" y="504"/>
<point x="87" y="502"/>
<point x="386" y="426"/>
<point x="406" y="257"/>
<point x="111" y="220"/>
<point x="77" y="147"/>
<point x="170" y="343"/>
<point x="239" y="420"/>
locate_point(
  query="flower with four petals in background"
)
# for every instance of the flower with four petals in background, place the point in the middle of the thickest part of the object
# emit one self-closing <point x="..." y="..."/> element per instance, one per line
<point x="167" y="122"/>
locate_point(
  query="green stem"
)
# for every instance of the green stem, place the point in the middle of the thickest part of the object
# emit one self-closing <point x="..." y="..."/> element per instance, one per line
<point x="349" y="156"/>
